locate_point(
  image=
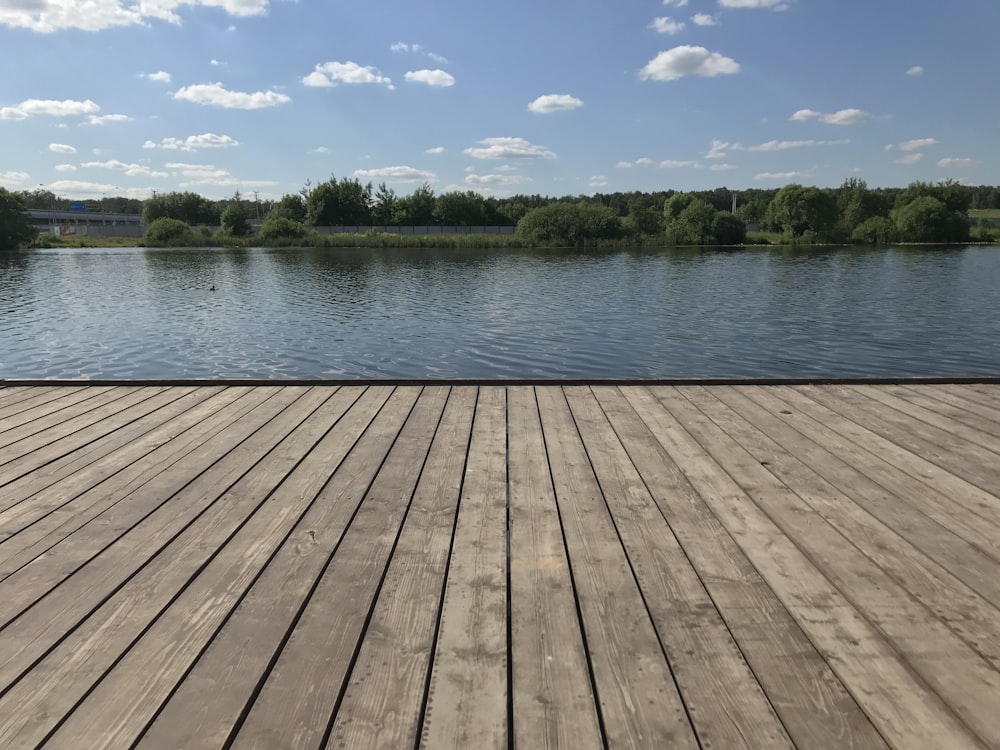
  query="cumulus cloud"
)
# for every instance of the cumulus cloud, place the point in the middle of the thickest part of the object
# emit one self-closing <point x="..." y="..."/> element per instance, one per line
<point x="688" y="60"/>
<point x="916" y="70"/>
<point x="783" y="175"/>
<point x="435" y="150"/>
<point x="841" y="117"/>
<point x="417" y="49"/>
<point x="910" y="159"/>
<point x="952" y="162"/>
<point x="598" y="181"/>
<point x="47" y="16"/>
<point x="161" y="76"/>
<point x="194" y="142"/>
<point x="495" y="180"/>
<point x="331" y="73"/>
<point x="720" y="149"/>
<point x="704" y="19"/>
<point x="674" y="164"/>
<point x="51" y="107"/>
<point x="430" y="77"/>
<point x="548" y="103"/>
<point x="61" y="148"/>
<point x="65" y="167"/>
<point x="105" y="119"/>
<point x="667" y="25"/>
<point x="676" y="3"/>
<point x="216" y="95"/>
<point x="508" y="148"/>
<point x="917" y="144"/>
<point x="131" y="170"/>
<point x="722" y="167"/>
<point x="13" y="179"/>
<point x="208" y="174"/>
<point x="396" y="174"/>
<point x="775" y="4"/>
<point x="81" y="189"/>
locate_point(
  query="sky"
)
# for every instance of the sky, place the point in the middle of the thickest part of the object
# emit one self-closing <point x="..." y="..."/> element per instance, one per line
<point x="130" y="97"/>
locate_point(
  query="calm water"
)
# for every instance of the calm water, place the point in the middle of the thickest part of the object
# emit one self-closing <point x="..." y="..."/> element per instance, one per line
<point x="137" y="313"/>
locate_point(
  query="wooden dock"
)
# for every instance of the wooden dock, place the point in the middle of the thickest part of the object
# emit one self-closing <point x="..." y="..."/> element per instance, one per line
<point x="378" y="566"/>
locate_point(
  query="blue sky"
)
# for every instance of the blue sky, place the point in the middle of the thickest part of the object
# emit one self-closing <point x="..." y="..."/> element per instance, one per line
<point x="117" y="97"/>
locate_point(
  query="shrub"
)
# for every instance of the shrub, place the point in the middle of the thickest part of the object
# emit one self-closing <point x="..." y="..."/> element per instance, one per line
<point x="164" y="232"/>
<point x="279" y="227"/>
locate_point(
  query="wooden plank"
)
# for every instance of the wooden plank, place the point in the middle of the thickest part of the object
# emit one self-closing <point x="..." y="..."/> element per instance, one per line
<point x="917" y="414"/>
<point x="42" y="425"/>
<point x="552" y="692"/>
<point x="905" y="474"/>
<point x="953" y="408"/>
<point x="882" y="527"/>
<point x="70" y="400"/>
<point x="815" y="708"/>
<point x="638" y="698"/>
<point x="60" y="511"/>
<point x="108" y="553"/>
<point x="467" y="701"/>
<point x="983" y="395"/>
<point x="75" y="666"/>
<point x="383" y="701"/>
<point x="223" y="668"/>
<point x="35" y="451"/>
<point x="728" y="708"/>
<point x="903" y="709"/>
<point x="30" y="397"/>
<point x="83" y="469"/>
<point x="942" y="448"/>
<point x="960" y="676"/>
<point x="295" y="706"/>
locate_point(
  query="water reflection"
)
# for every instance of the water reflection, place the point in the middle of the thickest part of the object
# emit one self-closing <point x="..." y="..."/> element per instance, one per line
<point x="121" y="313"/>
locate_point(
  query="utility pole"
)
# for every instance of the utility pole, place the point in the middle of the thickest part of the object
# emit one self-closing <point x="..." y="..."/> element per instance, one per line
<point x="256" y="200"/>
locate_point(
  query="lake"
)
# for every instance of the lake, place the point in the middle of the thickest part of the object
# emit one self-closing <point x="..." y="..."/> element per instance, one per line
<point x="329" y="313"/>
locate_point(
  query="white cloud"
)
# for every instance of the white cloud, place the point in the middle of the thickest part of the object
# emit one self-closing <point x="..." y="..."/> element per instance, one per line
<point x="331" y="73"/>
<point x="598" y="181"/>
<point x="674" y="164"/>
<point x="418" y="49"/>
<point x="193" y="142"/>
<point x="105" y="119"/>
<point x="624" y="165"/>
<point x="842" y="117"/>
<point x="776" y="4"/>
<point x="65" y="168"/>
<point x="13" y="179"/>
<point x="320" y="150"/>
<point x="82" y="189"/>
<point x="216" y="95"/>
<point x="494" y="180"/>
<point x="783" y="175"/>
<point x="917" y="144"/>
<point x="213" y="61"/>
<point x="61" y="148"/>
<point x="430" y="77"/>
<point x="704" y="19"/>
<point x="786" y="145"/>
<point x="396" y="174"/>
<point x="667" y="25"/>
<point x="508" y="148"/>
<point x="643" y="161"/>
<point x="722" y="167"/>
<point x="51" y="107"/>
<point x="435" y="150"/>
<point x="46" y="16"/>
<point x="916" y="70"/>
<point x="717" y="150"/>
<point x="687" y="60"/>
<point x="207" y="174"/>
<point x="549" y="103"/>
<point x="131" y="170"/>
<point x="956" y="163"/>
<point x="676" y="3"/>
<point x="910" y="159"/>
<point x="161" y="76"/>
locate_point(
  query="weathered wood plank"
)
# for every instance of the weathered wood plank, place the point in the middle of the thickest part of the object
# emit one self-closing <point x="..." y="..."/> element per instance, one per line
<point x="468" y="691"/>
<point x="13" y="421"/>
<point x="26" y="398"/>
<point x="880" y="527"/>
<point x="553" y="698"/>
<point x="383" y="701"/>
<point x="110" y="637"/>
<point x="727" y="706"/>
<point x="626" y="654"/>
<point x="904" y="710"/>
<point x="923" y="641"/>
<point x="313" y="508"/>
<point x="977" y="416"/>
<point x="814" y="706"/>
<point x="296" y="703"/>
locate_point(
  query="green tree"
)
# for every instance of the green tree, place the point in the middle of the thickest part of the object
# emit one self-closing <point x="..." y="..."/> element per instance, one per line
<point x="291" y="207"/>
<point x="878" y="230"/>
<point x="674" y="205"/>
<point x="728" y="229"/>
<point x="856" y="204"/>
<point x="416" y="209"/>
<point x="15" y="229"/>
<point x="164" y="232"/>
<point x="928" y="219"/>
<point x="344" y="202"/>
<point x="796" y="210"/>
<point x="693" y="225"/>
<point x="280" y="227"/>
<point x="570" y="223"/>
<point x="457" y="209"/>
<point x="384" y="205"/>
<point x="235" y="217"/>
<point x="644" y="219"/>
